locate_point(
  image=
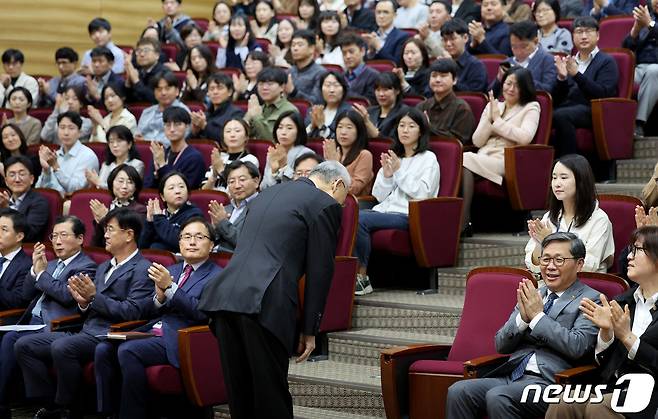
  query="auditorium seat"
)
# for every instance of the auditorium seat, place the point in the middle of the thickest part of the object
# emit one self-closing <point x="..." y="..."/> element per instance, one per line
<point x="201" y="198"/>
<point x="621" y="212"/>
<point x="55" y="203"/>
<point x="149" y="193"/>
<point x="214" y="46"/>
<point x="377" y="146"/>
<point x="181" y="76"/>
<point x="229" y="71"/>
<point x="144" y="150"/>
<point x="476" y="101"/>
<point x="221" y="258"/>
<point x="201" y="22"/>
<point x="302" y="105"/>
<point x="98" y="254"/>
<point x="607" y="284"/>
<point x="80" y="208"/>
<point x="99" y="150"/>
<point x="613" y="30"/>
<point x="162" y="257"/>
<point x="413" y="100"/>
<point x="264" y="44"/>
<point x="358" y="100"/>
<point x="205" y="147"/>
<point x="28" y="248"/>
<point x="40" y="113"/>
<point x="381" y="66"/>
<point x="137" y="108"/>
<point x="492" y="64"/>
<point x="169" y="51"/>
<point x="243" y="105"/>
<point x="315" y="144"/>
<point x="259" y="149"/>
<point x="333" y="67"/>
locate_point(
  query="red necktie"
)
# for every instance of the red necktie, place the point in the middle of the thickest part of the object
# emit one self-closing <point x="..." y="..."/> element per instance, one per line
<point x="186" y="274"/>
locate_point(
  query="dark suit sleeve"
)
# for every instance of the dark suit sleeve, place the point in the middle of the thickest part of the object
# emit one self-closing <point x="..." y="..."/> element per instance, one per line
<point x="187" y="304"/>
<point x="624" y="7"/>
<point x="131" y="308"/>
<point x="149" y="177"/>
<point x="321" y="249"/>
<point x="604" y="83"/>
<point x="143" y="93"/>
<point x="547" y="75"/>
<point x="191" y="165"/>
<point x="56" y="288"/>
<point x="36" y="218"/>
<point x="11" y="294"/>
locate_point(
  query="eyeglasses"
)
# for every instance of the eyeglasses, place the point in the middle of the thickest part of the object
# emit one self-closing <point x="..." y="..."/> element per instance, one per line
<point x="111" y="229"/>
<point x="188" y="237"/>
<point x="635" y="248"/>
<point x="63" y="236"/>
<point x="557" y="261"/>
<point x="144" y="50"/>
<point x="21" y="174"/>
<point x="302" y="173"/>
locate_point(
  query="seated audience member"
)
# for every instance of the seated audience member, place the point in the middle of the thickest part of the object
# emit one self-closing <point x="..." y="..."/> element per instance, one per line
<point x="491" y="36"/>
<point x="162" y="227"/>
<point x="305" y="74"/>
<point x="280" y="50"/>
<point x="101" y="74"/>
<point x="18" y="173"/>
<point x="573" y="207"/>
<point x="179" y="156"/>
<point x="410" y="14"/>
<point x="242" y="178"/>
<point x="66" y="60"/>
<point x="50" y="298"/>
<point x="650" y="190"/>
<point x="150" y="126"/>
<point x="466" y="10"/>
<point x="120" y="148"/>
<point x="73" y="99"/>
<point x="20" y="101"/>
<point x="12" y="62"/>
<point x="100" y="32"/>
<point x="380" y="119"/>
<point x="191" y="35"/>
<point x="503" y="124"/>
<point x="174" y="307"/>
<point x="289" y="143"/>
<point x="265" y="23"/>
<point x="14" y="263"/>
<point x="327" y="44"/>
<point x="602" y="8"/>
<point x="471" y="73"/>
<point x="247" y="83"/>
<point x="414" y="68"/>
<point x="200" y="66"/>
<point x="553" y="38"/>
<point x="218" y="25"/>
<point x="305" y="163"/>
<point x="626" y="341"/>
<point x="14" y="144"/>
<point x="516" y="11"/>
<point x="359" y="17"/>
<point x="360" y="78"/>
<point x="527" y="53"/>
<point x="64" y="169"/>
<point x="261" y="118"/>
<point x="386" y="42"/>
<point x="172" y="23"/>
<point x="571" y="8"/>
<point x="233" y="143"/>
<point x="409" y="171"/>
<point x="349" y="148"/>
<point x="643" y="41"/>
<point x="430" y="31"/>
<point x="241" y="41"/>
<point x="141" y="80"/>
<point x="119" y="292"/>
<point x="545" y="334"/>
<point x="590" y="74"/>
<point x="321" y="120"/>
<point x="221" y="109"/>
<point x="114" y="97"/>
<point x="448" y="115"/>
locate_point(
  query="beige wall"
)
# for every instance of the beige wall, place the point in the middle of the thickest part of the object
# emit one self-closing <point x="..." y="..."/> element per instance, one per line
<point x="39" y="27"/>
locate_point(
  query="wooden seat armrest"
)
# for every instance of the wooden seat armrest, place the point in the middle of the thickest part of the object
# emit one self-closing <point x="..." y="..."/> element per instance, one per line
<point x="126" y="326"/>
<point x="194" y="329"/>
<point x="476" y="367"/>
<point x="401" y="351"/>
<point x="10" y="316"/>
<point x="576" y="374"/>
<point x="66" y="321"/>
<point x="366" y="198"/>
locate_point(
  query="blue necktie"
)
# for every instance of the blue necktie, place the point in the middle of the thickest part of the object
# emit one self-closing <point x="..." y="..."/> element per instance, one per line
<point x="520" y="369"/>
<point x="36" y="311"/>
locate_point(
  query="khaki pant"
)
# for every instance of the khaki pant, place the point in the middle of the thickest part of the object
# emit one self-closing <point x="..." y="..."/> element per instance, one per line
<point x="587" y="410"/>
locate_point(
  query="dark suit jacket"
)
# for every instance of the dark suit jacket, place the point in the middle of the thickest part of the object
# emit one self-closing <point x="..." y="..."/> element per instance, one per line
<point x="162" y="232"/>
<point x="216" y="119"/>
<point x="57" y="300"/>
<point x="471" y="74"/>
<point x="11" y="282"/>
<point x="299" y="238"/>
<point x="142" y="91"/>
<point x="468" y="11"/>
<point x="36" y="211"/>
<point x="614" y="8"/>
<point x="190" y="163"/>
<point x="363" y="19"/>
<point x="392" y="48"/>
<point x="364" y="85"/>
<point x="496" y="40"/>
<point x="645" y="46"/>
<point x="227" y="232"/>
<point x="124" y="297"/>
<point x="541" y="67"/>
<point x="387" y="126"/>
<point x="598" y="81"/>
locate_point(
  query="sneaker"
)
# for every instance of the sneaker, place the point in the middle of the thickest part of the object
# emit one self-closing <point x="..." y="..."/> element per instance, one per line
<point x="363" y="286"/>
<point x="639" y="129"/>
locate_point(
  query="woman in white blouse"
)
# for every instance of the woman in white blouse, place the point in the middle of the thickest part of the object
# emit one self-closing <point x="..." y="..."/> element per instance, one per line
<point x="573" y="207"/>
<point x="113" y="97"/>
<point x="409" y="171"/>
<point x="120" y="149"/>
<point x="265" y="24"/>
<point x="328" y="49"/>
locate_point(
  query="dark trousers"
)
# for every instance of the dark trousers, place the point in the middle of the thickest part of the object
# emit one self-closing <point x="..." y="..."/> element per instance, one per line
<point x="255" y="366"/>
<point x="8" y="364"/>
<point x="566" y="119"/>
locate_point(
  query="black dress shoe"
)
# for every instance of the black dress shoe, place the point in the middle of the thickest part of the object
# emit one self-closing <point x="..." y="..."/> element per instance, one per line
<point x="467" y="231"/>
<point x="44" y="413"/>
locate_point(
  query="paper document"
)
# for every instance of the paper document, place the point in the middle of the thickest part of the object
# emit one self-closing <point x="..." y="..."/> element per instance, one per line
<point x="21" y="327"/>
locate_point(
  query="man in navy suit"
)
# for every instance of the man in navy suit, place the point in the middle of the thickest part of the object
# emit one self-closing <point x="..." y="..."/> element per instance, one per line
<point x="177" y="292"/>
<point x="46" y="284"/>
<point x="14" y="262"/>
<point x="386" y="42"/>
<point x="471" y="73"/>
<point x="102" y="60"/>
<point x="360" y="78"/>
<point x="491" y="36"/>
<point x="120" y="292"/>
<point x="19" y="176"/>
<point x="590" y="74"/>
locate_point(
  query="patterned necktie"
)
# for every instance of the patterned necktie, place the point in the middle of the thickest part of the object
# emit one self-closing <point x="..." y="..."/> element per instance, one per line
<point x="520" y="369"/>
<point x="186" y="274"/>
<point x="36" y="311"/>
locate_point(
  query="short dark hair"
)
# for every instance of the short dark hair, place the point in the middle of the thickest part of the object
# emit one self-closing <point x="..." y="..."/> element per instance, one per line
<point x="339" y="78"/>
<point x="297" y="120"/>
<point x="78" y="226"/>
<point x="177" y="1"/>
<point x="4" y="153"/>
<point x="72" y="116"/>
<point x="235" y="165"/>
<point x="166" y="75"/>
<point x="585" y="22"/>
<point x="151" y="42"/>
<point x="577" y="247"/>
<point x="171" y="174"/>
<point x="445" y="65"/>
<point x="201" y="220"/>
<point x="221" y="78"/>
<point x="525" y="29"/>
<point x="99" y="23"/>
<point x="649" y="237"/>
<point x="13" y="54"/>
<point x="445" y="3"/>
<point x="131" y="172"/>
<point x="274" y="74"/>
<point x="553" y="4"/>
<point x="305" y="34"/>
<point x="454" y="26"/>
<point x="122" y="132"/>
<point x="585" y="190"/>
<point x="66" y="53"/>
<point x="25" y="161"/>
<point x="127" y="219"/>
<point x="389" y="80"/>
<point x="527" y="92"/>
<point x="98" y="52"/>
<point x="25" y="92"/>
<point x="118" y="88"/>
<point x="176" y="114"/>
<point x="263" y="57"/>
<point x="351" y="38"/>
<point x="18" y="219"/>
<point x="306" y="156"/>
<point x="188" y="29"/>
<point x="423" y="140"/>
<point x="393" y="2"/>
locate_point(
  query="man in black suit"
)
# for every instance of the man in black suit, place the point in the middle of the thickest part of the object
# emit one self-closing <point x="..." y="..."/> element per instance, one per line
<point x="290" y="231"/>
<point x="120" y="292"/>
<point x="102" y="60"/>
<point x="14" y="262"/>
<point x="359" y="17"/>
<point x="19" y="176"/>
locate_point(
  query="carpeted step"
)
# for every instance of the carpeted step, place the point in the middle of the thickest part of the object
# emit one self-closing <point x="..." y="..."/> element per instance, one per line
<point x="631" y="189"/>
<point x="481" y="254"/>
<point x="645" y="148"/>
<point x="302" y="412"/>
<point x="635" y="170"/>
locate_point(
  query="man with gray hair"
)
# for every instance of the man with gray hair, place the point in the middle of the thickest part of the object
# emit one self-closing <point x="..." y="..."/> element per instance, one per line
<point x="290" y="231"/>
<point x="545" y="334"/>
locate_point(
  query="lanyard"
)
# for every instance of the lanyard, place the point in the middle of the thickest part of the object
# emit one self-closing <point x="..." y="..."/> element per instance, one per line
<point x="559" y="223"/>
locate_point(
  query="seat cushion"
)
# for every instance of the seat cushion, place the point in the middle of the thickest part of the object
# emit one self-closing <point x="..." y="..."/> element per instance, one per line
<point x="164" y="379"/>
<point x="437" y="367"/>
<point x="392" y="241"/>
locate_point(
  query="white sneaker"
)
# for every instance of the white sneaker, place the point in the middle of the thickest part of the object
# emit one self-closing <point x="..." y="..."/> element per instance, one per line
<point x="363" y="286"/>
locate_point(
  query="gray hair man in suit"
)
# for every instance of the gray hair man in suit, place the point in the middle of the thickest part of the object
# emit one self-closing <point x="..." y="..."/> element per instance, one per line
<point x="545" y="334"/>
<point x="242" y="179"/>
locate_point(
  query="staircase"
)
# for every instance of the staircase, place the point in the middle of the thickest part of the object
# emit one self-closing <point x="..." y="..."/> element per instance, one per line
<point x="347" y="385"/>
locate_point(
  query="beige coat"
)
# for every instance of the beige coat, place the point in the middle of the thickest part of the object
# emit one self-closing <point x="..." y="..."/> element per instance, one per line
<point x="516" y="126"/>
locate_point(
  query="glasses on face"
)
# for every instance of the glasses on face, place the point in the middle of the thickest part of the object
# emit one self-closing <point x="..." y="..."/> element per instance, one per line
<point x="233" y="181"/>
<point x="21" y="175"/>
<point x="124" y="181"/>
<point x="143" y="50"/>
<point x="197" y="237"/>
<point x="581" y="31"/>
<point x="302" y="173"/>
<point x="112" y="229"/>
<point x="557" y="260"/>
<point x="63" y="236"/>
<point x="635" y="248"/>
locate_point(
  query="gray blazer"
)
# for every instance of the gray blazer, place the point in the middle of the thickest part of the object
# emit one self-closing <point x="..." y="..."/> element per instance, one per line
<point x="228" y="232"/>
<point x="559" y="340"/>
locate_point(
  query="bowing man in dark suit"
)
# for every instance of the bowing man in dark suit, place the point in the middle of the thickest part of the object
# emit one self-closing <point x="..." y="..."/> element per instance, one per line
<point x="628" y="332"/>
<point x="177" y="292"/>
<point x="46" y="284"/>
<point x="386" y="42"/>
<point x="545" y="334"/>
<point x="19" y="176"/>
<point x="290" y="231"/>
<point x="120" y="292"/>
<point x="14" y="262"/>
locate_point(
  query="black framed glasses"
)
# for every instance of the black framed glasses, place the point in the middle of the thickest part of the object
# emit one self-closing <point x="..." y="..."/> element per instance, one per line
<point x="635" y="248"/>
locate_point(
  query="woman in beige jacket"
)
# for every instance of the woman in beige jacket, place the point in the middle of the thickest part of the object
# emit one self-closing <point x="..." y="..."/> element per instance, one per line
<point x="503" y="124"/>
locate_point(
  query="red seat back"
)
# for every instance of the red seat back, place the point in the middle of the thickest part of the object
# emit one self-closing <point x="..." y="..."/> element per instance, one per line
<point x="338" y="309"/>
<point x="40" y="113"/>
<point x="80" y="208"/>
<point x="545" y="118"/>
<point x="201" y="22"/>
<point x="55" y="202"/>
<point x="315" y="144"/>
<point x="97" y="254"/>
<point x="609" y="285"/>
<point x="137" y="108"/>
<point x="229" y="71"/>
<point x="449" y="155"/>
<point x="348" y="226"/>
<point x="621" y="212"/>
<point x="201" y="198"/>
<point x="333" y="67"/>
<point x="126" y="48"/>
<point x="302" y="105"/>
<point x="377" y="146"/>
<point x="205" y="147"/>
<point x="259" y="149"/>
<point x="196" y="106"/>
<point x="169" y="51"/>
<point x="145" y="155"/>
<point x="213" y="47"/>
<point x="99" y="150"/>
<point x="358" y="100"/>
<point x="477" y="102"/>
<point x="413" y="100"/>
<point x="221" y="258"/>
<point x="264" y="44"/>
<point x="181" y="76"/>
<point x="381" y="66"/>
<point x="613" y="30"/>
<point x="149" y="193"/>
<point x="28" y="248"/>
<point x="566" y="24"/>
<point x="243" y="105"/>
<point x="491" y="63"/>
<point x="410" y="31"/>
<point x="162" y="257"/>
<point x="625" y="60"/>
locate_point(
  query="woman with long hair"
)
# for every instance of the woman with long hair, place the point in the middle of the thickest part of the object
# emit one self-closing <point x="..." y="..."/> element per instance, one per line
<point x="308" y="13"/>
<point x="120" y="149"/>
<point x="232" y="52"/>
<point x="321" y="121"/>
<point x="200" y="66"/>
<point x="414" y="71"/>
<point x="280" y="50"/>
<point x="14" y="143"/>
<point x="218" y="25"/>
<point x="265" y="23"/>
<point x="330" y="27"/>
<point x="380" y="118"/>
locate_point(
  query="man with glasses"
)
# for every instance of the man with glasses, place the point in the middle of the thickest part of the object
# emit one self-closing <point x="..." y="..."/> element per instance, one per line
<point x="139" y="80"/>
<point x="120" y="292"/>
<point x="545" y="334"/>
<point x="177" y="292"/>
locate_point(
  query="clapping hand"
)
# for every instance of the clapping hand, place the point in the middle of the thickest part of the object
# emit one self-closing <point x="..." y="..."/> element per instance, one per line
<point x="253" y="108"/>
<point x="317" y="116"/>
<point x="4" y="198"/>
<point x="152" y="209"/>
<point x="390" y="163"/>
<point x="82" y="289"/>
<point x="160" y="276"/>
<point x="621" y="321"/>
<point x="477" y="32"/>
<point x="494" y="110"/>
<point x="98" y="209"/>
<point x="538" y="230"/>
<point x="39" y="261"/>
<point x="158" y="151"/>
<point x="600" y="315"/>
<point x="217" y="212"/>
<point x="330" y="150"/>
<point x="217" y="162"/>
<point x="646" y="219"/>
<point x="529" y="300"/>
<point x="92" y="177"/>
<point x="277" y="157"/>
